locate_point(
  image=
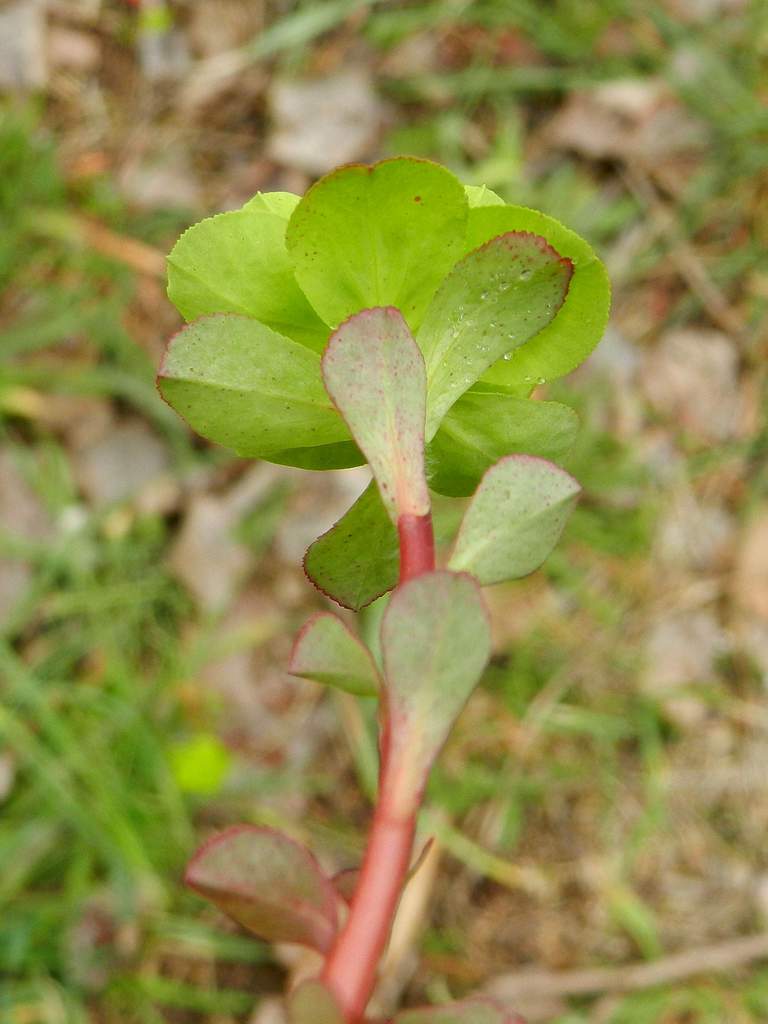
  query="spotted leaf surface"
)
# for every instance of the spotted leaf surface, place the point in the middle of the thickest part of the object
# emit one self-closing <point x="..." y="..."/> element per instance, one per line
<point x="514" y="520"/>
<point x="495" y="300"/>
<point x="374" y="372"/>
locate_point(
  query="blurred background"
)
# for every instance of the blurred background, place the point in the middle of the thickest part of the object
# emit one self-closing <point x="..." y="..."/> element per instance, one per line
<point x="603" y="802"/>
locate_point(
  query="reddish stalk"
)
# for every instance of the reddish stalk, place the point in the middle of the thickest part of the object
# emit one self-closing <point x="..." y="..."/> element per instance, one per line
<point x="350" y="970"/>
<point x="417" y="545"/>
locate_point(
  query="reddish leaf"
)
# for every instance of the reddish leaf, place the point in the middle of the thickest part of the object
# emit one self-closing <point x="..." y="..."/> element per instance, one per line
<point x="268" y="883"/>
<point x="374" y="372"/>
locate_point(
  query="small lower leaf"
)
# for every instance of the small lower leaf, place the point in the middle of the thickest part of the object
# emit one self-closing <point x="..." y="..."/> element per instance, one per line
<point x="436" y="640"/>
<point x="328" y="652"/>
<point x="313" y="1003"/>
<point x="268" y="883"/>
<point x="468" y="1011"/>
<point x="482" y="427"/>
<point x="357" y="560"/>
<point x="514" y="520"/>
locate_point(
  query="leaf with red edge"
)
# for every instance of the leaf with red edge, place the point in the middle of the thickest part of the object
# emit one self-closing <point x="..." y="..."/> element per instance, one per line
<point x="313" y="1003"/>
<point x="436" y="641"/>
<point x="268" y="883"/>
<point x="493" y="301"/>
<point x="357" y="560"/>
<point x="374" y="372"/>
<point x="514" y="520"/>
<point x="384" y="235"/>
<point x="569" y="338"/>
<point x="328" y="652"/>
<point x="244" y="386"/>
<point x="468" y="1011"/>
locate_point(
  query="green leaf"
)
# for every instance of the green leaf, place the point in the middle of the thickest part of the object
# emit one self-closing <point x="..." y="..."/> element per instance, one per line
<point x="493" y="301"/>
<point x="374" y="372"/>
<point x="357" y="560"/>
<point x="237" y="263"/>
<point x="482" y="427"/>
<point x="469" y="1011"/>
<point x="328" y="652"/>
<point x="342" y="455"/>
<point x="579" y="325"/>
<point x="281" y="203"/>
<point x="312" y="1003"/>
<point x="241" y="385"/>
<point x="268" y="883"/>
<point x="436" y="641"/>
<point x="514" y="520"/>
<point x="384" y="235"/>
<point x="481" y="195"/>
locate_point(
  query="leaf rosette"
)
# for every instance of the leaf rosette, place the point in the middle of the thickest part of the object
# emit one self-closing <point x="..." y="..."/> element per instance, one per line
<point x="492" y="299"/>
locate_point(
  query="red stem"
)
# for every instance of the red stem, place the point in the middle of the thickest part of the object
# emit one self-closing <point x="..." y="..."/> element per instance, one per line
<point x="350" y="970"/>
<point x="417" y="545"/>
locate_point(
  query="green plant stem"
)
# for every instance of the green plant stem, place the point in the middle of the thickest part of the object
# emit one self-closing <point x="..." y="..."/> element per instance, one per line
<point x="350" y="969"/>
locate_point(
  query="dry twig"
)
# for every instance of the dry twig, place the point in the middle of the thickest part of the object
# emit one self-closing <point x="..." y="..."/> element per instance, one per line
<point x="724" y="956"/>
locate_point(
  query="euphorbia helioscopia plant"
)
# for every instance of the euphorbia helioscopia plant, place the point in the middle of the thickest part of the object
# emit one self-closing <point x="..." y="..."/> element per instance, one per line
<point x="390" y="316"/>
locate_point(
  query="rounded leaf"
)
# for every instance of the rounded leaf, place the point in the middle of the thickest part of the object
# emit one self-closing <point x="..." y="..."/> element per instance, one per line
<point x="436" y="641"/>
<point x="578" y="326"/>
<point x="374" y="372"/>
<point x="237" y="263"/>
<point x="358" y="559"/>
<point x="496" y="299"/>
<point x="327" y="651"/>
<point x="482" y="427"/>
<point x="244" y="386"/>
<point x="268" y="883"/>
<point x="384" y="235"/>
<point x="514" y="520"/>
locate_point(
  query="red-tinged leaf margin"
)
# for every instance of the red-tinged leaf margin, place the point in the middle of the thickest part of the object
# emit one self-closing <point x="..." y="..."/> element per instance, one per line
<point x="374" y="580"/>
<point x="543" y="544"/>
<point x="436" y="643"/>
<point x="295" y="667"/>
<point x="375" y="374"/>
<point x="317" y="936"/>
